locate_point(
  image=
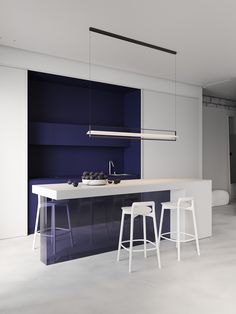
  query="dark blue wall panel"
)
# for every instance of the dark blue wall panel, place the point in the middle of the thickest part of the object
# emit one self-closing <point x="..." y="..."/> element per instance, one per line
<point x="59" y="161"/>
<point x="44" y="133"/>
<point x="60" y="111"/>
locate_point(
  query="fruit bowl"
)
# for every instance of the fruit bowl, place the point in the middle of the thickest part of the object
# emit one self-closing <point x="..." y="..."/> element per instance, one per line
<point x="94" y="178"/>
<point x="94" y="182"/>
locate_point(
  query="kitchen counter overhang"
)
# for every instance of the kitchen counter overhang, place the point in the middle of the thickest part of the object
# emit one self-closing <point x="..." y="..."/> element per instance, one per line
<point x="61" y="191"/>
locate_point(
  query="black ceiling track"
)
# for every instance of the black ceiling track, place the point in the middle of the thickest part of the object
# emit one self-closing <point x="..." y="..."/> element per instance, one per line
<point x="131" y="40"/>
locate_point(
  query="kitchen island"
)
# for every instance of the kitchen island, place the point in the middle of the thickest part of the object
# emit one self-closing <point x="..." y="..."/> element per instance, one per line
<point x="95" y="212"/>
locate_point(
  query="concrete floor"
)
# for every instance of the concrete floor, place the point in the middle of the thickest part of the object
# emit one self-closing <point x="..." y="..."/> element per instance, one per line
<point x="100" y="285"/>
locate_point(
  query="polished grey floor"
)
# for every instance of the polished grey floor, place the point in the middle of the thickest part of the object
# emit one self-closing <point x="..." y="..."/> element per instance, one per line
<point x="100" y="285"/>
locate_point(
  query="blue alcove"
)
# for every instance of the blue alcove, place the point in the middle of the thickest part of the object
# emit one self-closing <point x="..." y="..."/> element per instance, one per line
<point x="60" y="110"/>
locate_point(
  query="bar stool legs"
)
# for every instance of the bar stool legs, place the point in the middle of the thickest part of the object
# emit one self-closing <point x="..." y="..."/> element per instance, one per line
<point x="187" y="204"/>
<point x="144" y="237"/>
<point x="144" y="209"/>
<point x="121" y="235"/>
<point x="69" y="225"/>
<point x="161" y="222"/>
<point x="178" y="234"/>
<point x="157" y="240"/>
<point x="36" y="227"/>
<point x="131" y="241"/>
<point x="196" y="233"/>
<point x="53" y="228"/>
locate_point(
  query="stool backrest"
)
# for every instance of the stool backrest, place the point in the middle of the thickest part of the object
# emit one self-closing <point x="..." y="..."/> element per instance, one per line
<point x="188" y="200"/>
<point x="137" y="205"/>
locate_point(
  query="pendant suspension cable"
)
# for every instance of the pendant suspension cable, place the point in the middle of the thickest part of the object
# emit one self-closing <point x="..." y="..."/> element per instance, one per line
<point x="175" y="105"/>
<point x="90" y="86"/>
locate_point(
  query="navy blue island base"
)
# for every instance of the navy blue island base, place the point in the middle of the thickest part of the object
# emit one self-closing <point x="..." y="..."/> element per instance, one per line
<point x="95" y="225"/>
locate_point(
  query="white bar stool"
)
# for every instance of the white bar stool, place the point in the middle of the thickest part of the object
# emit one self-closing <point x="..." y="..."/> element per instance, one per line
<point x="183" y="203"/>
<point x="145" y="209"/>
<point x="53" y="204"/>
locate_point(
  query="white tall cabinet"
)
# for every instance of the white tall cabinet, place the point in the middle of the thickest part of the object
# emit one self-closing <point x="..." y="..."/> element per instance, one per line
<point x="181" y="158"/>
<point x="13" y="156"/>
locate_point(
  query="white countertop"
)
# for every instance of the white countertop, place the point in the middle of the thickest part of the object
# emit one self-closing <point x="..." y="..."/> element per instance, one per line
<point x="201" y="190"/>
<point x="65" y="191"/>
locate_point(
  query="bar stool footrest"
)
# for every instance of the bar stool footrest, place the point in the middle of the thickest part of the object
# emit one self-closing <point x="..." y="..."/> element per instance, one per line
<point x="139" y="250"/>
<point x="41" y="232"/>
<point x="191" y="236"/>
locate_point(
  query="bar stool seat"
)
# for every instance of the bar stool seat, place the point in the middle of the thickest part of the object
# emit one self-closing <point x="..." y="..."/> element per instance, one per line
<point x="144" y="209"/>
<point x="52" y="230"/>
<point x="141" y="210"/>
<point x="173" y="205"/>
<point x="186" y="204"/>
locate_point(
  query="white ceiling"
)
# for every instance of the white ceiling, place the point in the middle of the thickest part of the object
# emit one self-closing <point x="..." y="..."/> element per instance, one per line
<point x="202" y="31"/>
<point x="225" y="89"/>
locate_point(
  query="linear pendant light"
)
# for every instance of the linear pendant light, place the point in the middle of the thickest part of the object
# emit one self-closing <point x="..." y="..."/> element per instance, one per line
<point x="170" y="136"/>
<point x="159" y="135"/>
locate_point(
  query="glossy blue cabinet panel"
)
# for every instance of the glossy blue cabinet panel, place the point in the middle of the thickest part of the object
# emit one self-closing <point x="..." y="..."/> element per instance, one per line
<point x="96" y="225"/>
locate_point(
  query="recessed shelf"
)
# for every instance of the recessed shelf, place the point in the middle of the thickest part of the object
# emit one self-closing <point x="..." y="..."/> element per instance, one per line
<point x="42" y="133"/>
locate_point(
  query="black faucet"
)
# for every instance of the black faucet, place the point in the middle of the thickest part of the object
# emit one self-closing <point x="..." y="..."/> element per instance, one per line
<point x="110" y="167"/>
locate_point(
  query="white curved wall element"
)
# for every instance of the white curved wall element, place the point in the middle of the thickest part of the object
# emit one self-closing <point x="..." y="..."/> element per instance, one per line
<point x="220" y="198"/>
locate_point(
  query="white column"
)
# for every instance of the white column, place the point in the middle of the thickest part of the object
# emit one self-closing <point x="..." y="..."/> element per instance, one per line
<point x="13" y="156"/>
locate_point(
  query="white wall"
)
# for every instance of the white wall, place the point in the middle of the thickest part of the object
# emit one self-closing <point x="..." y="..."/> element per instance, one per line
<point x="13" y="157"/>
<point x="216" y="146"/>
<point x="181" y="158"/>
<point x="43" y="63"/>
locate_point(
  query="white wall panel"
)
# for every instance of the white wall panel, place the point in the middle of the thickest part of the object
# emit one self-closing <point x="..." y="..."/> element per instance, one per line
<point x="159" y="110"/>
<point x="216" y="166"/>
<point x="13" y="157"/>
<point x="181" y="158"/>
<point x="23" y="59"/>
